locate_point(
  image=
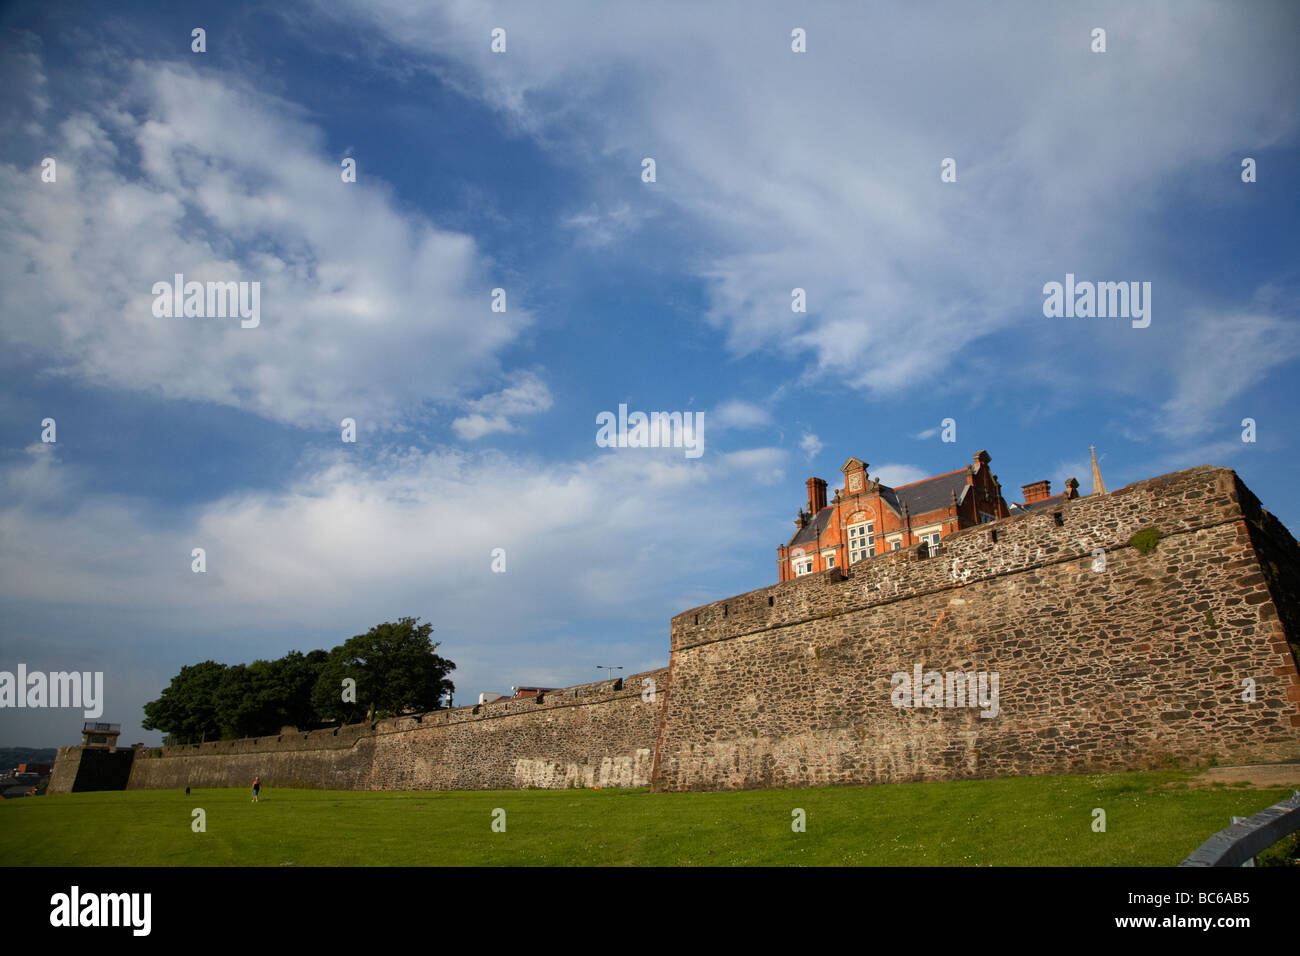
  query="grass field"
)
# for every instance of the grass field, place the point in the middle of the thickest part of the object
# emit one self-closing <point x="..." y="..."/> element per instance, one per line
<point x="1152" y="819"/>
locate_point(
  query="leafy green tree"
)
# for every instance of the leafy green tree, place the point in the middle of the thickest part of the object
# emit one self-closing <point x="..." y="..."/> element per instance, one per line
<point x="186" y="709"/>
<point x="296" y="675"/>
<point x="331" y="701"/>
<point x="395" y="669"/>
<point x="237" y="706"/>
<point x="259" y="699"/>
<point x="394" y="665"/>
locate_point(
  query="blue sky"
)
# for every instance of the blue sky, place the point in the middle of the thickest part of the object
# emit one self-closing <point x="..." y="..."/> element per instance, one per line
<point x="522" y="170"/>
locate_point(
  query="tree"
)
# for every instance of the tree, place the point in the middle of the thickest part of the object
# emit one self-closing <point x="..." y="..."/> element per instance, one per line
<point x="186" y="709"/>
<point x="297" y="674"/>
<point x="394" y="666"/>
<point x="259" y="699"/>
<point x="236" y="705"/>
<point x="395" y="669"/>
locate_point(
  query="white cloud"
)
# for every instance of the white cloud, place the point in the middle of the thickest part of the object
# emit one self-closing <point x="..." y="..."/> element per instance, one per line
<point x="39" y="478"/>
<point x="764" y="466"/>
<point x="811" y="445"/>
<point x="528" y="395"/>
<point x="739" y="414"/>
<point x="821" y="170"/>
<point x="895" y="475"/>
<point x="366" y="308"/>
<point x="601" y="225"/>
<point x="351" y="544"/>
<point x="1219" y="357"/>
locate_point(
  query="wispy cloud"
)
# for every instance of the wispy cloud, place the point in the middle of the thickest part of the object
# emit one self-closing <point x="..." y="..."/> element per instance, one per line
<point x="811" y="445"/>
<point x="740" y="415"/>
<point x="895" y="475"/>
<point x="600" y="225"/>
<point x="780" y="192"/>
<point x="1219" y="357"/>
<point x="528" y="395"/>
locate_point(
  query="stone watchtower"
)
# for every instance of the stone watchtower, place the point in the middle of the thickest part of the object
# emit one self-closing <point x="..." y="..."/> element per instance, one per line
<point x="97" y="764"/>
<point x="100" y="736"/>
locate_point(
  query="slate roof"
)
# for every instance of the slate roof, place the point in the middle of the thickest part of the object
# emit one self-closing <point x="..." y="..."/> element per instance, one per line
<point x="930" y="494"/>
<point x="809" y="533"/>
<point x="1039" y="505"/>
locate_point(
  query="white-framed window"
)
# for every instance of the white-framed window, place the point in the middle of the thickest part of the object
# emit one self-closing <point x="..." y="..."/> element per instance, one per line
<point x="830" y="560"/>
<point x="896" y="544"/>
<point x="930" y="536"/>
<point x="862" y="541"/>
<point x="803" y="565"/>
<point x="985" y="517"/>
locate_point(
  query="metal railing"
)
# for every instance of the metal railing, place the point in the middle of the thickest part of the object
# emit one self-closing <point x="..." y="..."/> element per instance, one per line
<point x="1239" y="844"/>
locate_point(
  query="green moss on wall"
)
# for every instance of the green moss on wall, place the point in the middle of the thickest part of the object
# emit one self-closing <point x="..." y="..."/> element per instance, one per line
<point x="1145" y="540"/>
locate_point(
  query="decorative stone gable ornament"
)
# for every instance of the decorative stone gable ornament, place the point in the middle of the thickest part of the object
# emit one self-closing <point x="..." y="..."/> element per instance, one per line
<point x="855" y="475"/>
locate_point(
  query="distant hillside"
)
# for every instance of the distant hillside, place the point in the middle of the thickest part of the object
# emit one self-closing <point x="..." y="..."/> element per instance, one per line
<point x="11" y="757"/>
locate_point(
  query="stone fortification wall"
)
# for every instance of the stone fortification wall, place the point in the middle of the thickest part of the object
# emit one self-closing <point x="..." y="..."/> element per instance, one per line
<point x="1107" y="658"/>
<point x="599" y="734"/>
<point x="1053" y="642"/>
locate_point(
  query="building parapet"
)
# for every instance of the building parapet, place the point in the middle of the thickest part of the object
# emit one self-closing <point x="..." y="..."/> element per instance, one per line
<point x="1074" y="530"/>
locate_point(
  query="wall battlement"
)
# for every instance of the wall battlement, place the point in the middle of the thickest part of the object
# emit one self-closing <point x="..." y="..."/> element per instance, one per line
<point x="347" y="736"/>
<point x="1107" y="658"/>
<point x="1141" y="664"/>
<point x="1173" y="504"/>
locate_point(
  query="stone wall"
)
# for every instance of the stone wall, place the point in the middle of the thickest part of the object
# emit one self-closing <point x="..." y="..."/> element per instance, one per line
<point x="66" y="762"/>
<point x="1137" y="664"/>
<point x="1106" y="659"/>
<point x="83" y="769"/>
<point x="599" y="734"/>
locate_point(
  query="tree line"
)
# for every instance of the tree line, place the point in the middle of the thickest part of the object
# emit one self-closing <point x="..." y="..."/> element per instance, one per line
<point x="391" y="669"/>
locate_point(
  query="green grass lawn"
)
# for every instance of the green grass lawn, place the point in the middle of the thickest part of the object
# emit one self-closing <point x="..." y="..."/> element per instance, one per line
<point x="1152" y="819"/>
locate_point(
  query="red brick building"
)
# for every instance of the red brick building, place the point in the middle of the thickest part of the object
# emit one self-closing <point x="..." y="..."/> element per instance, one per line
<point x="867" y="518"/>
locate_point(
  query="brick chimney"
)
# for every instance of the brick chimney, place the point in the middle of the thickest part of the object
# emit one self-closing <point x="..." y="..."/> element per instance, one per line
<point x="816" y="495"/>
<point x="1037" y="491"/>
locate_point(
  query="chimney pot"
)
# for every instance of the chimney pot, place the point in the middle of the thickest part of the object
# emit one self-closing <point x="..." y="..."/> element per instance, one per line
<point x="1037" y="491"/>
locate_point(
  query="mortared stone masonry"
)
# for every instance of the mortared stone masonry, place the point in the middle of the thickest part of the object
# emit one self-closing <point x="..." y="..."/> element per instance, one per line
<point x="1108" y="657"/>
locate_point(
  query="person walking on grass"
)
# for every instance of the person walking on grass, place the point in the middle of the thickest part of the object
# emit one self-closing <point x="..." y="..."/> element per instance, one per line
<point x="257" y="785"/>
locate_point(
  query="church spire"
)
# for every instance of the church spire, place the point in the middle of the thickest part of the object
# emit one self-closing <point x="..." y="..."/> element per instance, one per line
<point x="1098" y="486"/>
